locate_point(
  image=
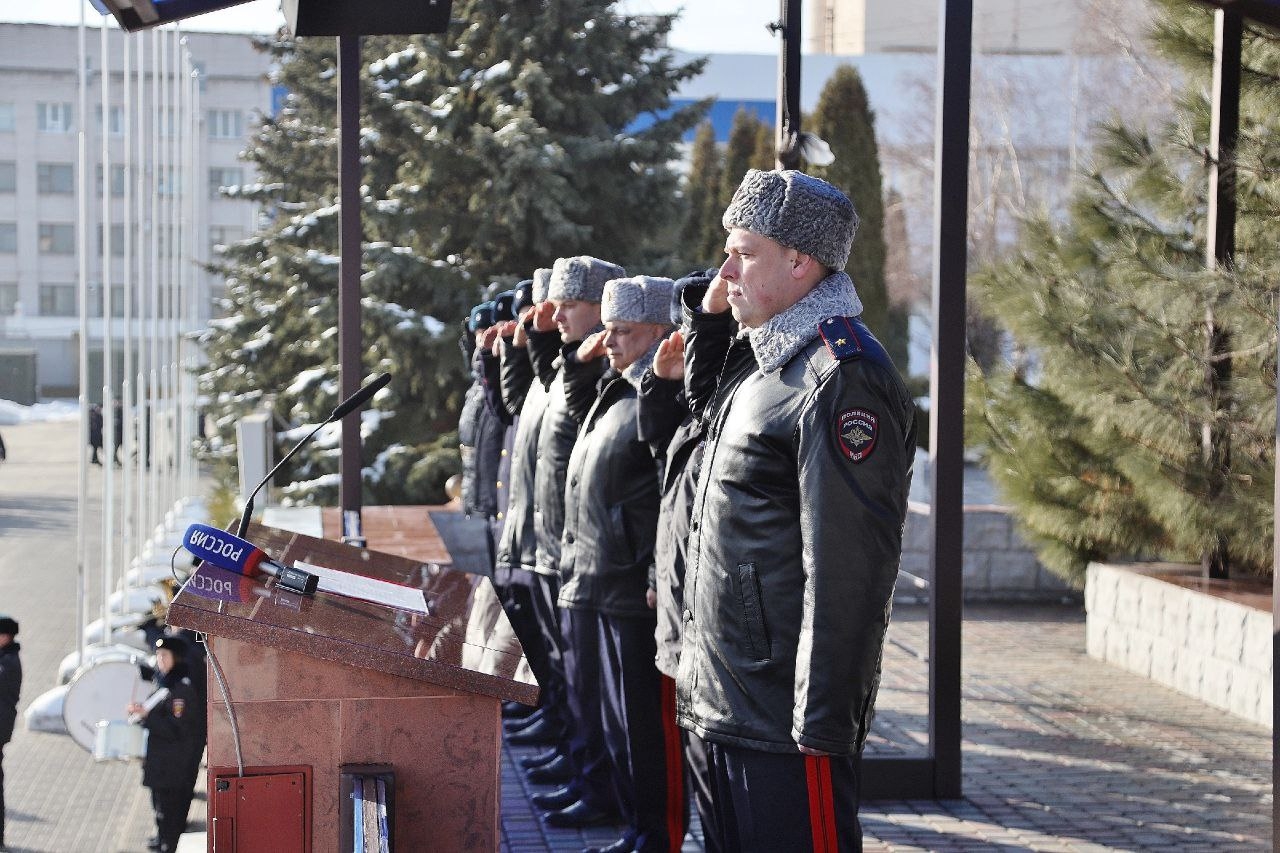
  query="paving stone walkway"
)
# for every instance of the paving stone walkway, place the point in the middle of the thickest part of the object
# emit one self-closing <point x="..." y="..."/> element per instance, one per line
<point x="1061" y="752"/>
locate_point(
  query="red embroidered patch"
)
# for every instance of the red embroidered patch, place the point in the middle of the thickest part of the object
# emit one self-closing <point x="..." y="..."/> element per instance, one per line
<point x="179" y="705"/>
<point x="856" y="433"/>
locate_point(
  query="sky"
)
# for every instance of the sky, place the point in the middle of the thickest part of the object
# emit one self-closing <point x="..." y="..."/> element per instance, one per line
<point x="702" y="28"/>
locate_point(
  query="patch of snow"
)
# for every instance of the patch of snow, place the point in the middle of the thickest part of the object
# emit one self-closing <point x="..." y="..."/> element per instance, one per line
<point x="54" y="410"/>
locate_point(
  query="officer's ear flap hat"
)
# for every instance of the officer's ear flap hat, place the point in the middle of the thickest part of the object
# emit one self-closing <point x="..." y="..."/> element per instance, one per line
<point x="541" y="284"/>
<point x="697" y="278"/>
<point x="173" y="644"/>
<point x="797" y="210"/>
<point x="523" y="296"/>
<point x="481" y="317"/>
<point x="639" y="299"/>
<point x="504" y="306"/>
<point x="582" y="278"/>
<point x="8" y="625"/>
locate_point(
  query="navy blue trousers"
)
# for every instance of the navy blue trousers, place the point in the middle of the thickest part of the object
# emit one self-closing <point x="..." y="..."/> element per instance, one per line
<point x="544" y="590"/>
<point x="698" y="780"/>
<point x="520" y="601"/>
<point x="766" y="802"/>
<point x="593" y="772"/>
<point x="642" y="737"/>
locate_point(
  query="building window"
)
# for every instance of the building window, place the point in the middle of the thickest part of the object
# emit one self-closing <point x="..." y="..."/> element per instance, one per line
<point x="117" y="241"/>
<point x="8" y="298"/>
<point x="53" y="117"/>
<point x="95" y="300"/>
<point x="115" y="119"/>
<point x="55" y="179"/>
<point x="226" y="124"/>
<point x="8" y="238"/>
<point x="117" y="181"/>
<point x="58" y="300"/>
<point x="168" y="181"/>
<point x="8" y="176"/>
<point x="223" y="235"/>
<point x="57" y="239"/>
<point x="8" y="120"/>
<point x="224" y="177"/>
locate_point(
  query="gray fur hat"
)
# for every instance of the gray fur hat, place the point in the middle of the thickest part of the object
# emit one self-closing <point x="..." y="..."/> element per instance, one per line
<point x="797" y="210"/>
<point x="639" y="299"/>
<point x="581" y="278"/>
<point x="541" y="283"/>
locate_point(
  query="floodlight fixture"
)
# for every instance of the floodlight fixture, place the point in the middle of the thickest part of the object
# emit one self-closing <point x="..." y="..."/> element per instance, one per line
<point x="134" y="15"/>
<point x="366" y="17"/>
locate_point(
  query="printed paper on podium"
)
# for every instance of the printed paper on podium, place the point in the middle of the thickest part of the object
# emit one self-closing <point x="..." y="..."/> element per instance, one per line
<point x="367" y="589"/>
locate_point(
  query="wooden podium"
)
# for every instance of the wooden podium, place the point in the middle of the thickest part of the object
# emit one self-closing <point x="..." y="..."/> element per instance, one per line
<point x="319" y="683"/>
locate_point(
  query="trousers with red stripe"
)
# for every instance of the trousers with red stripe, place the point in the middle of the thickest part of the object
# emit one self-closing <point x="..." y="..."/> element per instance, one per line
<point x="641" y="735"/>
<point x="767" y="802"/>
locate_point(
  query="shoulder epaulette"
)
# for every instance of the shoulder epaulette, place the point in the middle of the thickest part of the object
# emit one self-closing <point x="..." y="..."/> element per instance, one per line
<point x="841" y="338"/>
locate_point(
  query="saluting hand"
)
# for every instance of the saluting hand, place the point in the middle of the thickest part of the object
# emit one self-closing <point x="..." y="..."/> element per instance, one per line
<point x="668" y="362"/>
<point x="488" y="336"/>
<point x="591" y="348"/>
<point x="716" y="300"/>
<point x="543" y="315"/>
<point x="521" y="338"/>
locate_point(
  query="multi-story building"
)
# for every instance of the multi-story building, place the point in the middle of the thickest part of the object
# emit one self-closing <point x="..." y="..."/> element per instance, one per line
<point x="39" y="181"/>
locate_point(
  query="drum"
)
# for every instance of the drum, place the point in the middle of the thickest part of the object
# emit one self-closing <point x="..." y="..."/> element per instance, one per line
<point x="117" y="740"/>
<point x="101" y="692"/>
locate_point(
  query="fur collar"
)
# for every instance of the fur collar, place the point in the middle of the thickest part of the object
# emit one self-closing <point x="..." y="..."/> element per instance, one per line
<point x="635" y="371"/>
<point x="785" y="334"/>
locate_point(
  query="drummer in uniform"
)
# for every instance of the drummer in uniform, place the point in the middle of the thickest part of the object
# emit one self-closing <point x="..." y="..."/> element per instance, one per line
<point x="175" y="733"/>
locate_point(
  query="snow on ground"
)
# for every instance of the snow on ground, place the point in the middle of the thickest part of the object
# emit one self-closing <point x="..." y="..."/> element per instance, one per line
<point x="51" y="410"/>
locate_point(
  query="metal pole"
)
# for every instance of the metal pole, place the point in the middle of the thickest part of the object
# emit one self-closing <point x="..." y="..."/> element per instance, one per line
<point x="82" y="258"/>
<point x="108" y="342"/>
<point x="349" y="251"/>
<point x="1220" y="245"/>
<point x="788" y="131"/>
<point x="946" y="414"/>
<point x="127" y="523"/>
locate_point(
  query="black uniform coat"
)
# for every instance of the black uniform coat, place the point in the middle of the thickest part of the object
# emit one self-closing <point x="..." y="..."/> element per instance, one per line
<point x="666" y="423"/>
<point x="480" y="432"/>
<point x="175" y="733"/>
<point x="526" y="373"/>
<point x="611" y="509"/>
<point x="569" y="397"/>
<point x="10" y="688"/>
<point x="796" y="531"/>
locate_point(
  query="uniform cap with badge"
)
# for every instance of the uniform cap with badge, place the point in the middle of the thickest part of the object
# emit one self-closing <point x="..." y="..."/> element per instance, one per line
<point x="8" y="625"/>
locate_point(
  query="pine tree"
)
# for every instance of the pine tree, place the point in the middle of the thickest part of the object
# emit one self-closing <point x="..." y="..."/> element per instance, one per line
<point x="740" y="154"/>
<point x="703" y="234"/>
<point x="486" y="153"/>
<point x="1095" y="437"/>
<point x="766" y="154"/>
<point x="844" y="119"/>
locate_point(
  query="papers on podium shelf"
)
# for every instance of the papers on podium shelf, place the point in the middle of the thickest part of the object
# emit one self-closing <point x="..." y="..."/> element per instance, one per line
<point x="367" y="589"/>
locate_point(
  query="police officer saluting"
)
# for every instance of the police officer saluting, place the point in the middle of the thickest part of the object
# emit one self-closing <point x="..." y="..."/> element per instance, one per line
<point x="796" y="530"/>
<point x="175" y="738"/>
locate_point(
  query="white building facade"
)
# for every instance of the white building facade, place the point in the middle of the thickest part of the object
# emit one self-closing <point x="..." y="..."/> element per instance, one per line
<point x="171" y="140"/>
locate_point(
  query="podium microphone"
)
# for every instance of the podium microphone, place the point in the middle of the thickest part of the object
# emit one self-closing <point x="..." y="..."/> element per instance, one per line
<point x="219" y="548"/>
<point x="343" y="409"/>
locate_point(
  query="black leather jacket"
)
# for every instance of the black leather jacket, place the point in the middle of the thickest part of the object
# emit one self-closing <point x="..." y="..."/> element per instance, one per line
<point x="611" y="509"/>
<point x="480" y="432"/>
<point x="665" y="422"/>
<point x="569" y="398"/>
<point x="526" y="371"/>
<point x="10" y="688"/>
<point x="795" y="538"/>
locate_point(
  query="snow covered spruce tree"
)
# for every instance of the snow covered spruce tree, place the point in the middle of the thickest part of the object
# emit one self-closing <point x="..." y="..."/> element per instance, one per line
<point x="486" y="153"/>
<point x="1096" y="435"/>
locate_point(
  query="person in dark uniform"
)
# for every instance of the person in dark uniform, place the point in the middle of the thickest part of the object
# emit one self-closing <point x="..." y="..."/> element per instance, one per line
<point x="796" y="530"/>
<point x="10" y="687"/>
<point x="666" y="424"/>
<point x="117" y="422"/>
<point x="175" y="732"/>
<point x="606" y="561"/>
<point x="95" y="433"/>
<point x="576" y="287"/>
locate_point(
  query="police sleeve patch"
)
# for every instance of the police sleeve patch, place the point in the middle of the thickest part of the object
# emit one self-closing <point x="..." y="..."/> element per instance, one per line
<point x="856" y="433"/>
<point x="179" y="705"/>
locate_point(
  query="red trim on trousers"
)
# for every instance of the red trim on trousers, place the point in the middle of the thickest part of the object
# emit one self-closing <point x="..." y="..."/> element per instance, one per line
<point x="822" y="810"/>
<point x="674" y="766"/>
